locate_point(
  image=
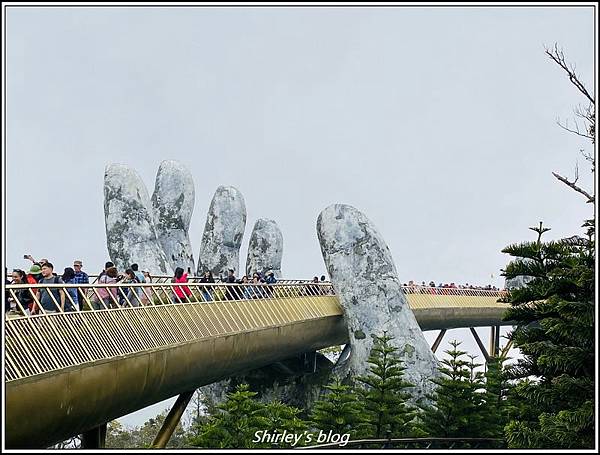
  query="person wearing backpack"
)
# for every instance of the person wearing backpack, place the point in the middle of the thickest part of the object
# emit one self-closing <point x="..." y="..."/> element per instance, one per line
<point x="140" y="279"/>
<point x="51" y="297"/>
<point x="108" y="295"/>
<point x="68" y="277"/>
<point x="129" y="294"/>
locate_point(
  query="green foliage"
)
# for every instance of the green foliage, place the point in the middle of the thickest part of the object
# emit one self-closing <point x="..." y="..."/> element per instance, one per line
<point x="456" y="400"/>
<point x="121" y="437"/>
<point x="339" y="411"/>
<point x="278" y="417"/>
<point x="494" y="408"/>
<point x="555" y="332"/>
<point x="384" y="393"/>
<point x="236" y="422"/>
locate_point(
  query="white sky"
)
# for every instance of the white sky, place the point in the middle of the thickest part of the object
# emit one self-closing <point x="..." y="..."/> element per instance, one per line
<point x="438" y="123"/>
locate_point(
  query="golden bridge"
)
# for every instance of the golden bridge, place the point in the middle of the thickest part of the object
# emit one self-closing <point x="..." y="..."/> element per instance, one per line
<point x="132" y="345"/>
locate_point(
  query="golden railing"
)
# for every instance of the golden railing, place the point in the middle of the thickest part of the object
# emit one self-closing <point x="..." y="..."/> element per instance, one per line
<point x="134" y="318"/>
<point x="198" y="279"/>
<point x="163" y="291"/>
<point x="127" y="318"/>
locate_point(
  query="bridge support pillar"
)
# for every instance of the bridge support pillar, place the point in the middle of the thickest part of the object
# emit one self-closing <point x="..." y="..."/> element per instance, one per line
<point x="495" y="341"/>
<point x="438" y="340"/>
<point x="171" y="421"/>
<point x="94" y="438"/>
<point x="480" y="344"/>
<point x="310" y="362"/>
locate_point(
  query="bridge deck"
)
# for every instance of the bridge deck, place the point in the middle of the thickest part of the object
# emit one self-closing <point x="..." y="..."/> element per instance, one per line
<point x="80" y="369"/>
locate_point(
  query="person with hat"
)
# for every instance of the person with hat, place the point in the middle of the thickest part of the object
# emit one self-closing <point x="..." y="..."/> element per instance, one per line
<point x="270" y="280"/>
<point x="35" y="274"/>
<point x="80" y="278"/>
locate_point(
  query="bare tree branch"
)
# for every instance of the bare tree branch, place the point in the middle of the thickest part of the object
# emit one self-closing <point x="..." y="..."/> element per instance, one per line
<point x="558" y="56"/>
<point x="576" y="131"/>
<point x="589" y="158"/>
<point x="587" y="114"/>
<point x="575" y="187"/>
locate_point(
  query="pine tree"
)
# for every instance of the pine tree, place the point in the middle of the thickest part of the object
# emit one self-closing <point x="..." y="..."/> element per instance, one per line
<point x="477" y="387"/>
<point x="554" y="398"/>
<point x="555" y="333"/>
<point x="278" y="417"/>
<point x="457" y="399"/>
<point x="339" y="411"/>
<point x="384" y="392"/>
<point x="495" y="407"/>
<point x="241" y="422"/>
<point x="235" y="423"/>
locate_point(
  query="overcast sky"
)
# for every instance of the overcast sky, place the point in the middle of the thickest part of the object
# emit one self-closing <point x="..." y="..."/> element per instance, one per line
<point x="438" y="123"/>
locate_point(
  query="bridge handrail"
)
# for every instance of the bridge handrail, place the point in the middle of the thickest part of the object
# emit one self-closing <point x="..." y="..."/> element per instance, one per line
<point x="36" y="343"/>
<point x="472" y="292"/>
<point x="52" y="340"/>
<point x="197" y="279"/>
<point x="408" y="289"/>
<point x="98" y="296"/>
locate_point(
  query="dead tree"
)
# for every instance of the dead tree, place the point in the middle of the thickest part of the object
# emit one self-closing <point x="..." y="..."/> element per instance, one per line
<point x="585" y="121"/>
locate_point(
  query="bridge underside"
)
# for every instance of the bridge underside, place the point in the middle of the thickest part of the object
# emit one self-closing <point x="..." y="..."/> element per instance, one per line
<point x="54" y="405"/>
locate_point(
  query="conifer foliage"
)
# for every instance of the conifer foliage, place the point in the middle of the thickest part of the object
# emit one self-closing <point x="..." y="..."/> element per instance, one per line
<point x="453" y="412"/>
<point x="495" y="408"/>
<point x="235" y="422"/>
<point x="241" y="416"/>
<point x="554" y="398"/>
<point x="339" y="411"/>
<point x="555" y="333"/>
<point x="385" y="392"/>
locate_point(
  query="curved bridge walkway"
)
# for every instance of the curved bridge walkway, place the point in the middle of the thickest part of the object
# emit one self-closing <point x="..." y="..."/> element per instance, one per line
<point x="137" y="344"/>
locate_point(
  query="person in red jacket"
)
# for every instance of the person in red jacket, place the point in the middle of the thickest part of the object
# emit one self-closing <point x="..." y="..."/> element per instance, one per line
<point x="182" y="293"/>
<point x="33" y="277"/>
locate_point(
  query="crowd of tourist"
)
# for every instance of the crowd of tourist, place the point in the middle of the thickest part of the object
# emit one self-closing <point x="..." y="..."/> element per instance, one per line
<point x="54" y="299"/>
<point x="248" y="287"/>
<point x="42" y="272"/>
<point x="413" y="287"/>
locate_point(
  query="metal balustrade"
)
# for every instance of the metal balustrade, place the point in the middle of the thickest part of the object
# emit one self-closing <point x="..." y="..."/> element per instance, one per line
<point x="408" y="289"/>
<point x="117" y="295"/>
<point x="472" y="292"/>
<point x="147" y="335"/>
<point x="126" y="318"/>
<point x="151" y="316"/>
<point x="98" y="297"/>
<point x="197" y="279"/>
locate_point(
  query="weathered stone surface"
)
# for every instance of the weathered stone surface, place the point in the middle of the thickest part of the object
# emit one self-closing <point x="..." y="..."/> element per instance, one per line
<point x="265" y="248"/>
<point x="173" y="204"/>
<point x="517" y="282"/>
<point x="364" y="276"/>
<point x="223" y="232"/>
<point x="284" y="381"/>
<point x="130" y="233"/>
